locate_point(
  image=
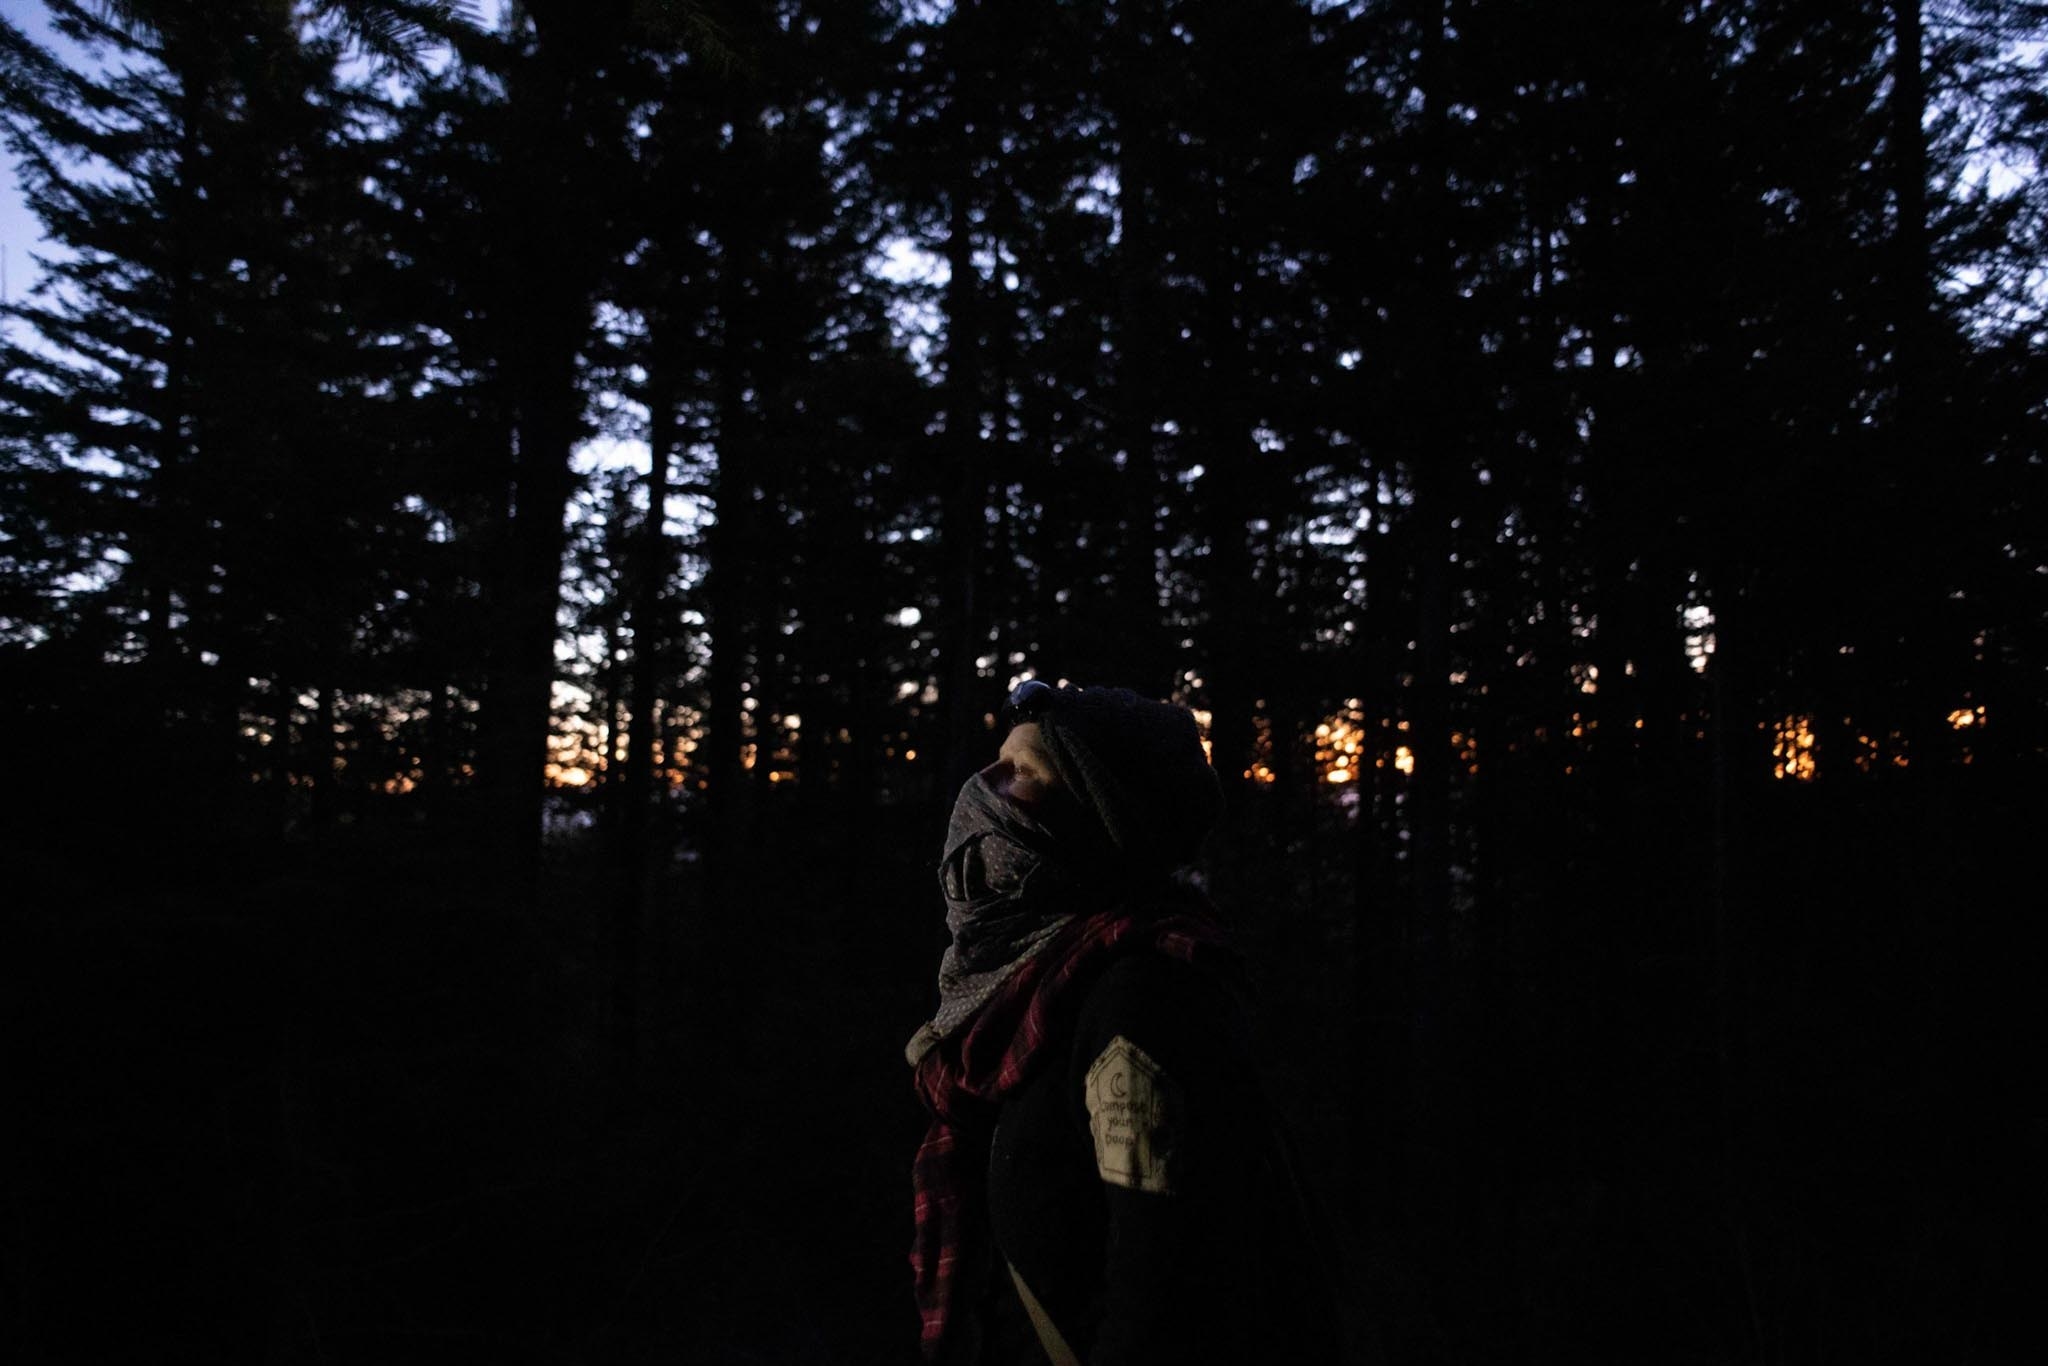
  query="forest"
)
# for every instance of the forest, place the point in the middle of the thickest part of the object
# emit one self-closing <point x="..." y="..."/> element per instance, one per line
<point x="517" y="518"/>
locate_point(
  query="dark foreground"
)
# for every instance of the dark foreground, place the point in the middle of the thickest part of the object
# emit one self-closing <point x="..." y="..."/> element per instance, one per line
<point x="351" y="1100"/>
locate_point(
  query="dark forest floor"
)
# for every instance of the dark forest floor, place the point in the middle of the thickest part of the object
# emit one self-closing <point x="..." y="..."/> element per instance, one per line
<point x="354" y="1110"/>
<point x="342" y="1101"/>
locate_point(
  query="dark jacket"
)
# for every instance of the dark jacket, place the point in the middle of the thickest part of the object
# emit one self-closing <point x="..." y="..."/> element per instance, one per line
<point x="1140" y="1192"/>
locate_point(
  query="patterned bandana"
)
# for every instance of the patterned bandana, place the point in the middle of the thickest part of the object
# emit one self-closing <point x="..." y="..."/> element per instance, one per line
<point x="1007" y="894"/>
<point x="964" y="1076"/>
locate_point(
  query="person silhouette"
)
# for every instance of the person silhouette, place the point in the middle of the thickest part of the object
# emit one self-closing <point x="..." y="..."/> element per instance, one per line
<point x="1103" y="1177"/>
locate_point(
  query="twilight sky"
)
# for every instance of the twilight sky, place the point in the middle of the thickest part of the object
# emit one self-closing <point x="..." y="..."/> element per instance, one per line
<point x="20" y="234"/>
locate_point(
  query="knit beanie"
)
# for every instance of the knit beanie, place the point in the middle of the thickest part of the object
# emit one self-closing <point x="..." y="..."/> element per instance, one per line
<point x="1138" y="768"/>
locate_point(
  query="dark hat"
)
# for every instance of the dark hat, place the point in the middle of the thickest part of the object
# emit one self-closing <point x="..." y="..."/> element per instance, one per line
<point x="1137" y="766"/>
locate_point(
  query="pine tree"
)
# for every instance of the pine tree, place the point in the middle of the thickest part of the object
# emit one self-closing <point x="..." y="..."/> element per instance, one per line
<point x="196" y="390"/>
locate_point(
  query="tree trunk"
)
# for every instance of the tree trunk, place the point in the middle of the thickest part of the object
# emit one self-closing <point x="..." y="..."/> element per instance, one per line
<point x="651" y="565"/>
<point x="1233" y="642"/>
<point x="547" y="315"/>
<point x="1439" y="1138"/>
<point x="1906" y="646"/>
<point x="320" y="757"/>
<point x="1138" y="618"/>
<point x="732" y="563"/>
<point x="965" y="527"/>
<point x="528" y="598"/>
<point x="1379" y="988"/>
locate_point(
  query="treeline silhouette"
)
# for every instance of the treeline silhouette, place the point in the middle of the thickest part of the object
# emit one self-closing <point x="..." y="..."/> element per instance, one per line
<point x="1583" y="464"/>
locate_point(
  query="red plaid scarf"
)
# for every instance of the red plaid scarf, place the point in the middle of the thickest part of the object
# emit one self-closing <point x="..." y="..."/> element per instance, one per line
<point x="963" y="1078"/>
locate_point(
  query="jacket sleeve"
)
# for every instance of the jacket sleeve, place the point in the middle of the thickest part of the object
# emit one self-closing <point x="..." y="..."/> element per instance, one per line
<point x="1164" y="1094"/>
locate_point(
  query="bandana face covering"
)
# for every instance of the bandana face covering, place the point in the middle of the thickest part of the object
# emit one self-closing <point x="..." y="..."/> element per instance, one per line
<point x="1006" y="896"/>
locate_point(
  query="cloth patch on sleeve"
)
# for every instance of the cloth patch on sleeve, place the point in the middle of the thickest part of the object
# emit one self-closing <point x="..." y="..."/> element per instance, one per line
<point x="1133" y="1108"/>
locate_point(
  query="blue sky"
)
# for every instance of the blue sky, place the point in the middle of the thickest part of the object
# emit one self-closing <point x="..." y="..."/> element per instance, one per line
<point x="20" y="234"/>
